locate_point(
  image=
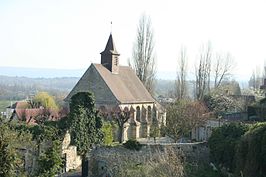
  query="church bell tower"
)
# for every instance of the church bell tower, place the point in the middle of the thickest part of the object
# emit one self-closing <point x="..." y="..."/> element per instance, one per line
<point x="110" y="57"/>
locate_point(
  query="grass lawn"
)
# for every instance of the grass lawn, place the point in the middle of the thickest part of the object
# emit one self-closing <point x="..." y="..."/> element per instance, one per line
<point x="4" y="104"/>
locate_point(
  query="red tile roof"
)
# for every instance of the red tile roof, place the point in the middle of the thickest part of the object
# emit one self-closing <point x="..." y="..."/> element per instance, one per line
<point x="30" y="115"/>
<point x="20" y="105"/>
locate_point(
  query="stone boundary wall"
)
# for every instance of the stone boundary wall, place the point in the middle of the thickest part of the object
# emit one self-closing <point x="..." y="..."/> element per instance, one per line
<point x="72" y="159"/>
<point x="104" y="160"/>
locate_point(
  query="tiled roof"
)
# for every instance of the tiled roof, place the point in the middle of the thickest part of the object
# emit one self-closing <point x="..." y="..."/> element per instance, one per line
<point x="125" y="85"/>
<point x="30" y="115"/>
<point x="19" y="105"/>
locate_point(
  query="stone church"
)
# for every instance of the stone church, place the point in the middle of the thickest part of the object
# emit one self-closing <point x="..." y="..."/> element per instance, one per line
<point x="118" y="87"/>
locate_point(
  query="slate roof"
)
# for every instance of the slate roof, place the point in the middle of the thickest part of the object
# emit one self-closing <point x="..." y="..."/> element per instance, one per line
<point x="126" y="86"/>
<point x="110" y="46"/>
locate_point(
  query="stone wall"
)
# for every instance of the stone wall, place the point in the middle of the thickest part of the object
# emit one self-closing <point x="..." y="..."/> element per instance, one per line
<point x="105" y="160"/>
<point x="69" y="153"/>
<point x="72" y="160"/>
<point x="203" y="133"/>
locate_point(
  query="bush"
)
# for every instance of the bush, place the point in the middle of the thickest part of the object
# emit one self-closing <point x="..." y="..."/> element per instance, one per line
<point x="223" y="143"/>
<point x="242" y="152"/>
<point x="202" y="170"/>
<point x="50" y="162"/>
<point x="132" y="145"/>
<point x="107" y="129"/>
<point x="251" y="152"/>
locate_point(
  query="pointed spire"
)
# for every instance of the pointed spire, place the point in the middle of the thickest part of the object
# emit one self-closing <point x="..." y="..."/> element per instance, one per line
<point x="110" y="46"/>
<point x="110" y="57"/>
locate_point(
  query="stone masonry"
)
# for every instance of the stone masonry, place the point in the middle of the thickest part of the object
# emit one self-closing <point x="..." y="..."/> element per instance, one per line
<point x="72" y="159"/>
<point x="105" y="160"/>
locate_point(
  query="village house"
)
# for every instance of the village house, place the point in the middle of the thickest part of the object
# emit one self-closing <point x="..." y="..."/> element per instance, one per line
<point x="117" y="87"/>
<point x="22" y="111"/>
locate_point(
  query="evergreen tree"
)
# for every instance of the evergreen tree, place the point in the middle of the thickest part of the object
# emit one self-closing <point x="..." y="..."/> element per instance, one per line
<point x="250" y="153"/>
<point x="223" y="142"/>
<point x="85" y="123"/>
<point x="10" y="141"/>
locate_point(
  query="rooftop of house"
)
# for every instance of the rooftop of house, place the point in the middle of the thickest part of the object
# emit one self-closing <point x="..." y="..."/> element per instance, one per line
<point x="30" y="116"/>
<point x="24" y="112"/>
<point x="19" y="105"/>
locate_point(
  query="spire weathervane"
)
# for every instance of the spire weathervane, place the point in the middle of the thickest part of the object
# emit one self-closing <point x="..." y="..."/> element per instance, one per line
<point x="111" y="27"/>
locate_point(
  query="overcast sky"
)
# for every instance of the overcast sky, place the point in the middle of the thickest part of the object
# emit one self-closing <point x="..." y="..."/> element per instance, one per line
<point x="70" y="34"/>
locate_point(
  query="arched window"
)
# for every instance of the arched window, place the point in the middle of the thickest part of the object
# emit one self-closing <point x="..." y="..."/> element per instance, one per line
<point x="149" y="114"/>
<point x="143" y="115"/>
<point x="154" y="116"/>
<point x="138" y="113"/>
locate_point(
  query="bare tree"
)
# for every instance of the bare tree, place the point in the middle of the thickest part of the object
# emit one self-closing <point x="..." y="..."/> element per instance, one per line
<point x="203" y="72"/>
<point x="181" y="87"/>
<point x="264" y="70"/>
<point x="223" y="66"/>
<point x="255" y="80"/>
<point x="183" y="116"/>
<point x="120" y="116"/>
<point x="143" y="59"/>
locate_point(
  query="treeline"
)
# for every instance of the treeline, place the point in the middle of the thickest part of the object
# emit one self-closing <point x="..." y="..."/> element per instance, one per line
<point x="18" y="88"/>
<point x="60" y="83"/>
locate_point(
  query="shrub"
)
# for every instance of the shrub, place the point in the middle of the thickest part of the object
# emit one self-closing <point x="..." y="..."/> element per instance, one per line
<point x="50" y="162"/>
<point x="107" y="129"/>
<point x="132" y="145"/>
<point x="202" y="170"/>
<point x="251" y="152"/>
<point x="223" y="142"/>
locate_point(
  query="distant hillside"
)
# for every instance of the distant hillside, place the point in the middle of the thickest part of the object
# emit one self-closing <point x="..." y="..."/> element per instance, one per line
<point x="164" y="87"/>
<point x="19" y="83"/>
<point x="58" y="83"/>
<point x="17" y="88"/>
<point x="167" y="88"/>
